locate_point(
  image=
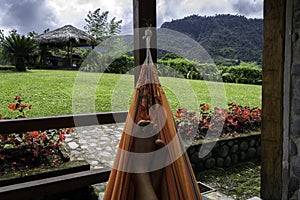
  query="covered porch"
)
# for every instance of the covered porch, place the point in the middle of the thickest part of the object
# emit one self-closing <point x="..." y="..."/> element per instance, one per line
<point x="280" y="132"/>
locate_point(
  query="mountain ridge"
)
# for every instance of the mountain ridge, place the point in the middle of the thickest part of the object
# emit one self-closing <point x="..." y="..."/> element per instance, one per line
<point x="227" y="38"/>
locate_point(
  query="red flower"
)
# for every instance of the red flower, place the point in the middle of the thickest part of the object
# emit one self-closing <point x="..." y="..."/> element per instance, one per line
<point x="43" y="136"/>
<point x="17" y="97"/>
<point x="177" y="115"/>
<point x="235" y="123"/>
<point x="35" y="153"/>
<point x="2" y="137"/>
<point x="62" y="137"/>
<point x="70" y="130"/>
<point x="0" y="117"/>
<point x="206" y="107"/>
<point x="12" y="106"/>
<point x="34" y="134"/>
<point x="22" y="105"/>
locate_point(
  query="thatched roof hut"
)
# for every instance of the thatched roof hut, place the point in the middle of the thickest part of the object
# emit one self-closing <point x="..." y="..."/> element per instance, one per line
<point x="66" y="35"/>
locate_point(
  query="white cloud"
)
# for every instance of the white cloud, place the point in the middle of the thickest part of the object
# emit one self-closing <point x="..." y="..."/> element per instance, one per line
<point x="174" y="9"/>
<point x="28" y="15"/>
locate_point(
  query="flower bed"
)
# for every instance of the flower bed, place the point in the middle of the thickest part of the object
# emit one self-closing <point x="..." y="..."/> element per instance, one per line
<point x="22" y="151"/>
<point x="221" y="122"/>
<point x="220" y="137"/>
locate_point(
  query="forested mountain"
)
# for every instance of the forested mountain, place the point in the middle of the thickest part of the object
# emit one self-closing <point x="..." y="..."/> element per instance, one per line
<point x="227" y="38"/>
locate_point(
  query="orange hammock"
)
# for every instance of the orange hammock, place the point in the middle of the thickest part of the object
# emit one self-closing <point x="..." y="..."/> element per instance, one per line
<point x="151" y="158"/>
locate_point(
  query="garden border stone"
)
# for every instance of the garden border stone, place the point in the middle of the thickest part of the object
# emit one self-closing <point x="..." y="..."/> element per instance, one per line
<point x="228" y="151"/>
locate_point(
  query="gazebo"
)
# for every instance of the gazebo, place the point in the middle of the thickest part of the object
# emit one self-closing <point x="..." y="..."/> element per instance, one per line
<point x="66" y="36"/>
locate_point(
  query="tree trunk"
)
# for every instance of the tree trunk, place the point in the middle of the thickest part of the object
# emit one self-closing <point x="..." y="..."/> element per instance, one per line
<point x="20" y="64"/>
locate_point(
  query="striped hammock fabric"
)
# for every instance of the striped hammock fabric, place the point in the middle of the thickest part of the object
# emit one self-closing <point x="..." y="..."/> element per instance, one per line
<point x="151" y="162"/>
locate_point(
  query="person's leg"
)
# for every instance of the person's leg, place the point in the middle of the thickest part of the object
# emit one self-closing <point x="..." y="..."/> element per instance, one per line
<point x="147" y="185"/>
<point x="156" y="176"/>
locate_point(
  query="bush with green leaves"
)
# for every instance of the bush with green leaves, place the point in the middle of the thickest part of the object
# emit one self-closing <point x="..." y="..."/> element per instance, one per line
<point x="241" y="74"/>
<point x="19" y="50"/>
<point x="121" y="65"/>
<point x="184" y="68"/>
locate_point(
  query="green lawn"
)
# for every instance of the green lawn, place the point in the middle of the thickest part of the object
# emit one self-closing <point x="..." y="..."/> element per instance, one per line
<point x="58" y="92"/>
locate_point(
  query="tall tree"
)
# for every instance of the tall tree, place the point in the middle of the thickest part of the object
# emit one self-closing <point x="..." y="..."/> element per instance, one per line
<point x="98" y="25"/>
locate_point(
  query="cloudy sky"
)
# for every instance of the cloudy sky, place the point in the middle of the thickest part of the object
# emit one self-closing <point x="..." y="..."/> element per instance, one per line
<point x="38" y="15"/>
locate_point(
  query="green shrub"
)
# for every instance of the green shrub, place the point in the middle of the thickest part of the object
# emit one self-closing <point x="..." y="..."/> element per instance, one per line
<point x="181" y="67"/>
<point x="121" y="65"/>
<point x="7" y="67"/>
<point x="241" y="74"/>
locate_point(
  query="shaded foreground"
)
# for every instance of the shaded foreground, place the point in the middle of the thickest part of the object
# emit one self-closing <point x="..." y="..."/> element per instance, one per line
<point x="240" y="182"/>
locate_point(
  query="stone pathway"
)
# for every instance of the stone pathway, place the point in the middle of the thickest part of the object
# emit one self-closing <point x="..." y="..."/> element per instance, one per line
<point x="95" y="144"/>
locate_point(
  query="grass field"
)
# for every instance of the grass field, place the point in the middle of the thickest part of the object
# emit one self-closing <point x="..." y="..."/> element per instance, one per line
<point x="240" y="182"/>
<point x="58" y="92"/>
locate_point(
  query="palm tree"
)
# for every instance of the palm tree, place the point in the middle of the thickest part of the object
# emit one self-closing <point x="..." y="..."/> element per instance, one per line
<point x="19" y="48"/>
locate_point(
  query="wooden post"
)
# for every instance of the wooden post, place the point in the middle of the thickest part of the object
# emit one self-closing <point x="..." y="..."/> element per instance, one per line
<point x="144" y="11"/>
<point x="272" y="100"/>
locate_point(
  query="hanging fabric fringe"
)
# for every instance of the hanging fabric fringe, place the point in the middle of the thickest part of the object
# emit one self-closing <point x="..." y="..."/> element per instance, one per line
<point x="151" y="162"/>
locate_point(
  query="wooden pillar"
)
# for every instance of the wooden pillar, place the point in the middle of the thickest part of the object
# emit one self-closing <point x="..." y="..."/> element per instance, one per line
<point x="272" y="100"/>
<point x="144" y="12"/>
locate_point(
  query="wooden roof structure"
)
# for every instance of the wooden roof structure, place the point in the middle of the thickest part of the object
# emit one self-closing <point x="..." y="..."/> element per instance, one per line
<point x="65" y="35"/>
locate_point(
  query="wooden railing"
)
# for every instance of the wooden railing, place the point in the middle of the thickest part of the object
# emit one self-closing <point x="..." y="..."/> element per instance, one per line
<point x="44" y="123"/>
<point x="61" y="183"/>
